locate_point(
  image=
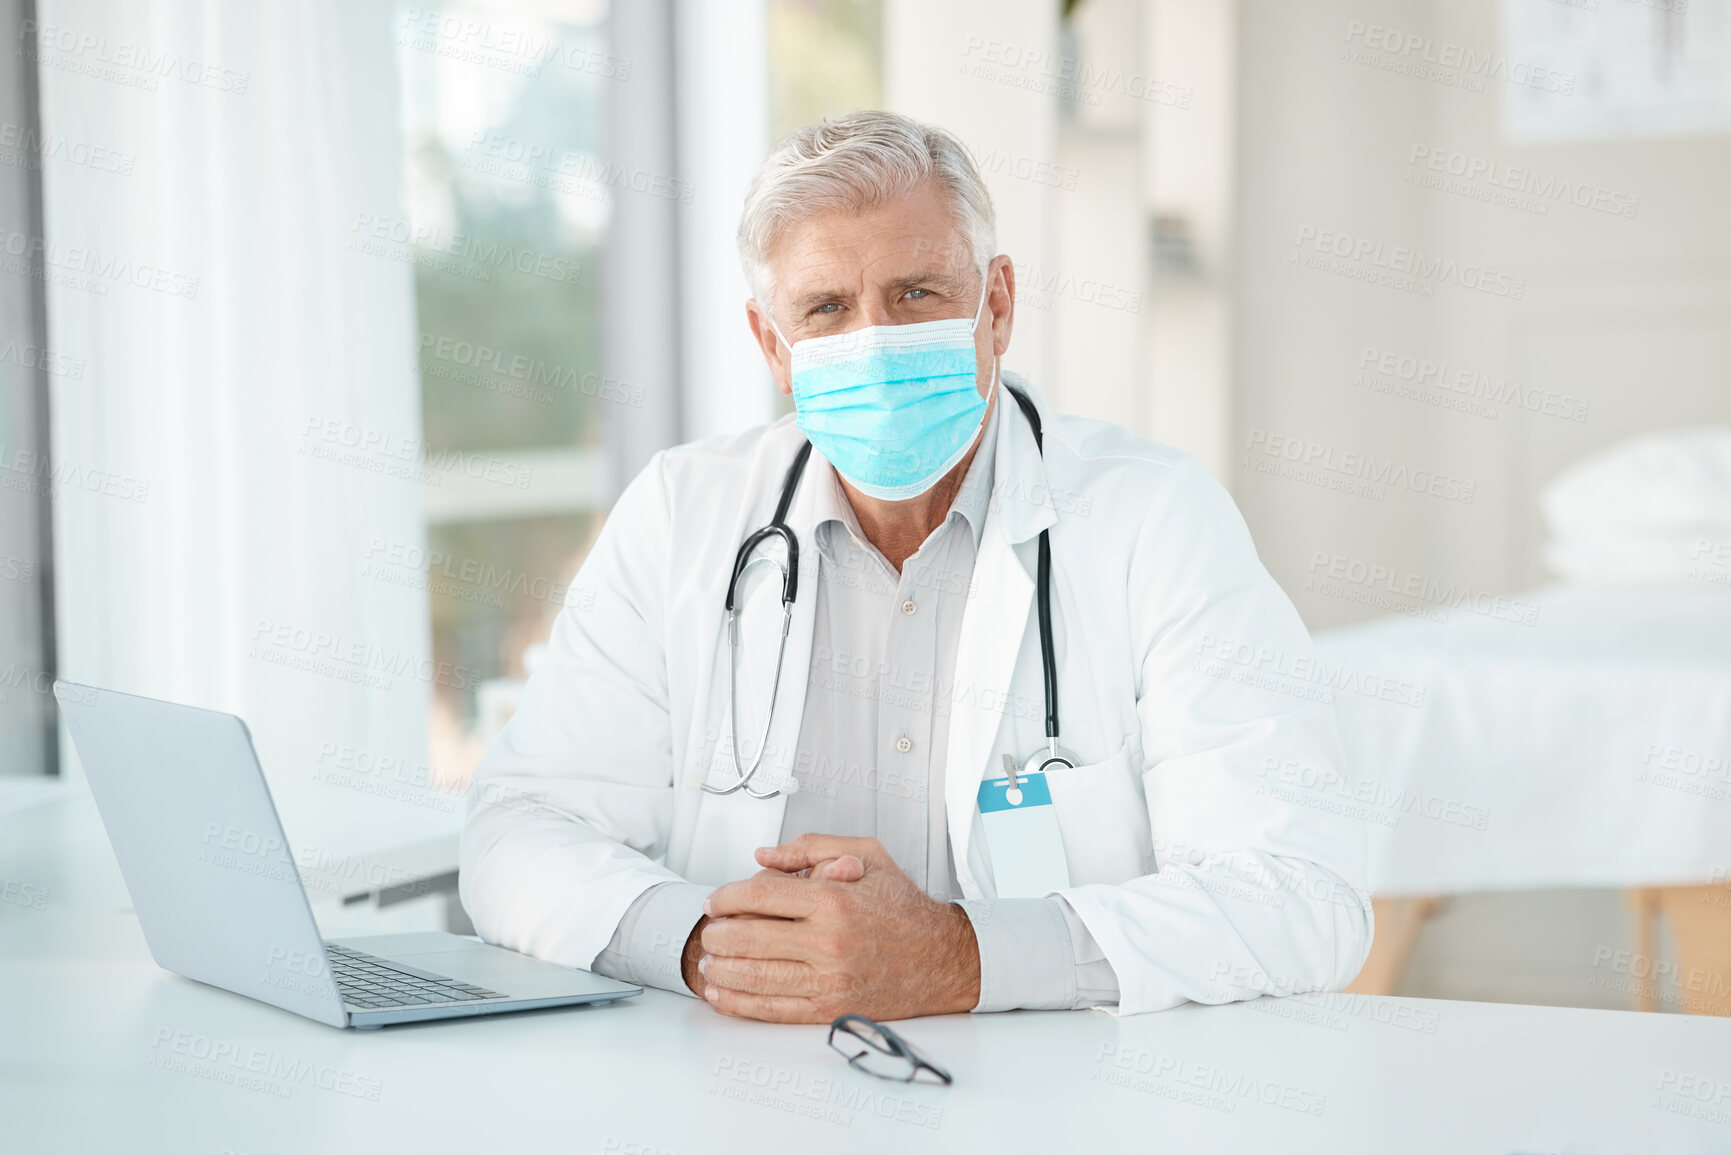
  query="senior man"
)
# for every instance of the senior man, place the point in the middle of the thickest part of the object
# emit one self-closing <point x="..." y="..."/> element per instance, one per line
<point x="979" y="722"/>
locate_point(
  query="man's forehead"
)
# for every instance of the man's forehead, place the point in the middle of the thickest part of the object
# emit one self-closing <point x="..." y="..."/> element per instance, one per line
<point x="847" y="273"/>
<point x="851" y="251"/>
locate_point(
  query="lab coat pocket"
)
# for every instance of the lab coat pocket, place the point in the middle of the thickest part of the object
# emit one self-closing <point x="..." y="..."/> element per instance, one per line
<point x="1103" y="819"/>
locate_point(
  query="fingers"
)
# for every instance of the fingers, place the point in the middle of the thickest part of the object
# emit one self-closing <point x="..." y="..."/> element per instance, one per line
<point x="757" y="976"/>
<point x="847" y="868"/>
<point x="770" y="895"/>
<point x="768" y="1008"/>
<point x="808" y="850"/>
<point x="760" y="938"/>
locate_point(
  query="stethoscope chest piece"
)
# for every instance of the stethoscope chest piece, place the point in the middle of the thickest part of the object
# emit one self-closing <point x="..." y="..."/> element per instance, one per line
<point x="1049" y="759"/>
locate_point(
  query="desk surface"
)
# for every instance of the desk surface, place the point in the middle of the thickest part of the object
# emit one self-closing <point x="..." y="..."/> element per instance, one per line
<point x="101" y="1051"/>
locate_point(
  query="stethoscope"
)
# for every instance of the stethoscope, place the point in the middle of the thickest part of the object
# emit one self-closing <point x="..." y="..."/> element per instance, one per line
<point x="777" y="528"/>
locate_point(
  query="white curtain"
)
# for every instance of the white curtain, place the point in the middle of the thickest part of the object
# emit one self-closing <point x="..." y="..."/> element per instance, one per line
<point x="210" y="279"/>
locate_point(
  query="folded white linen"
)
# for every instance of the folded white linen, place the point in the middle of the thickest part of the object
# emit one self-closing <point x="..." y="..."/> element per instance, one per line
<point x="1655" y="508"/>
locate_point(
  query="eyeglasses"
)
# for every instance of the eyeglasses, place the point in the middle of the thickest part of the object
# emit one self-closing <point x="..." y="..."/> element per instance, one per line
<point x="877" y="1050"/>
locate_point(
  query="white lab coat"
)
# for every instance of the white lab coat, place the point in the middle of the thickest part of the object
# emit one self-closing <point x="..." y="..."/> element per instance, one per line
<point x="1193" y="875"/>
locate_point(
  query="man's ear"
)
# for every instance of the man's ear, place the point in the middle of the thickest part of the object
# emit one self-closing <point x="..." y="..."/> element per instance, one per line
<point x="1001" y="300"/>
<point x="775" y="354"/>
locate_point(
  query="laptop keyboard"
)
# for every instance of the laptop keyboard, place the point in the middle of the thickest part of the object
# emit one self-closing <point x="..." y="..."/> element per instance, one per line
<point x="372" y="984"/>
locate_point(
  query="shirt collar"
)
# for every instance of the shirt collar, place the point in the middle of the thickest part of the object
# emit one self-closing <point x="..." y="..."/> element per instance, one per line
<point x="831" y="510"/>
<point x="974" y="498"/>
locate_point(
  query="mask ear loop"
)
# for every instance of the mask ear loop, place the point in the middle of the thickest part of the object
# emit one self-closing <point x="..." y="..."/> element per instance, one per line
<point x="776" y="329"/>
<point x="785" y="343"/>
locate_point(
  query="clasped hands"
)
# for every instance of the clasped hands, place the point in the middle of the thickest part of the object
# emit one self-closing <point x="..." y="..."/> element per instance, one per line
<point x="831" y="926"/>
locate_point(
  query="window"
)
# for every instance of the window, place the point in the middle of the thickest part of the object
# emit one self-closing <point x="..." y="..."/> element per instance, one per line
<point x="542" y="202"/>
<point x="509" y="198"/>
<point x="27" y="731"/>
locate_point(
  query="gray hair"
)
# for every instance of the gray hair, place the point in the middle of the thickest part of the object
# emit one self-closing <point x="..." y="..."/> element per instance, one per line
<point x="855" y="163"/>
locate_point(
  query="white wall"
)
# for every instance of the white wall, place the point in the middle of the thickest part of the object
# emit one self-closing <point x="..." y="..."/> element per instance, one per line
<point x="1630" y="315"/>
<point x="979" y="68"/>
<point x="1084" y="132"/>
<point x="1094" y="291"/>
<point x="1189" y="162"/>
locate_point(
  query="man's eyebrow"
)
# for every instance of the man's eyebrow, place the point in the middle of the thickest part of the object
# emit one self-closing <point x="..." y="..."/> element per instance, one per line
<point x="947" y="282"/>
<point x="816" y="297"/>
<point x="936" y="278"/>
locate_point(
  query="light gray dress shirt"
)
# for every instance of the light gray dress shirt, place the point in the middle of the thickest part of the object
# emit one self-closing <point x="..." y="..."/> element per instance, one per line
<point x="870" y="761"/>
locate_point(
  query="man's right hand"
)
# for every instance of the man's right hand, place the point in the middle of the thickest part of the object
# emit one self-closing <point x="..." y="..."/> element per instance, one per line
<point x="847" y="868"/>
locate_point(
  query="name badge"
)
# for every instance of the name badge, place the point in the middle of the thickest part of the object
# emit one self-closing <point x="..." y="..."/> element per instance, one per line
<point x="1022" y="831"/>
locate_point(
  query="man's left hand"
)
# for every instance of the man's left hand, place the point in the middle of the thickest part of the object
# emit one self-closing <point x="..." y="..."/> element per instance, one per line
<point x="793" y="949"/>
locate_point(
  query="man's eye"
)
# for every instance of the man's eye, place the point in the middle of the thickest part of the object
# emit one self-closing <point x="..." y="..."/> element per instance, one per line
<point x="831" y="307"/>
<point x="916" y="294"/>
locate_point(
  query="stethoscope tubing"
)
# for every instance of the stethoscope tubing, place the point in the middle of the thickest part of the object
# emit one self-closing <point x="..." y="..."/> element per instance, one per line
<point x="778" y="528"/>
<point x="750" y="772"/>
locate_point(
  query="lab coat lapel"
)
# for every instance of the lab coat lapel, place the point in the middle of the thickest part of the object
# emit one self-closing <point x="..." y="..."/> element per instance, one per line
<point x="994" y="623"/>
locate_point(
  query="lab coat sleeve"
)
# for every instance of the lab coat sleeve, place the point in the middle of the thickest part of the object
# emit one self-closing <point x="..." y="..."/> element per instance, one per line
<point x="573" y="803"/>
<point x="1257" y="889"/>
<point x="1036" y="955"/>
<point x="648" y="946"/>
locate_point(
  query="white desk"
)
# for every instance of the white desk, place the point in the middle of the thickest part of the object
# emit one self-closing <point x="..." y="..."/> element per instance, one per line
<point x="92" y="1037"/>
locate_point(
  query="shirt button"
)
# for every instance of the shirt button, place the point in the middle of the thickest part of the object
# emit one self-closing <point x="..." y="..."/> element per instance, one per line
<point x="908" y="607"/>
<point x="903" y="745"/>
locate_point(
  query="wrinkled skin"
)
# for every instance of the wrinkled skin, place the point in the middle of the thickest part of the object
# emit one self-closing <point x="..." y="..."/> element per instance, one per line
<point x="831" y="926"/>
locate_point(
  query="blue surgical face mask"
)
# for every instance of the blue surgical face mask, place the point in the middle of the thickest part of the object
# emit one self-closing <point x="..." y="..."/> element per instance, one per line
<point x="892" y="407"/>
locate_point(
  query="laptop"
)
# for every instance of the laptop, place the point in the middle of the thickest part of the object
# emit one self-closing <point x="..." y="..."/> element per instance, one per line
<point x="195" y="830"/>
